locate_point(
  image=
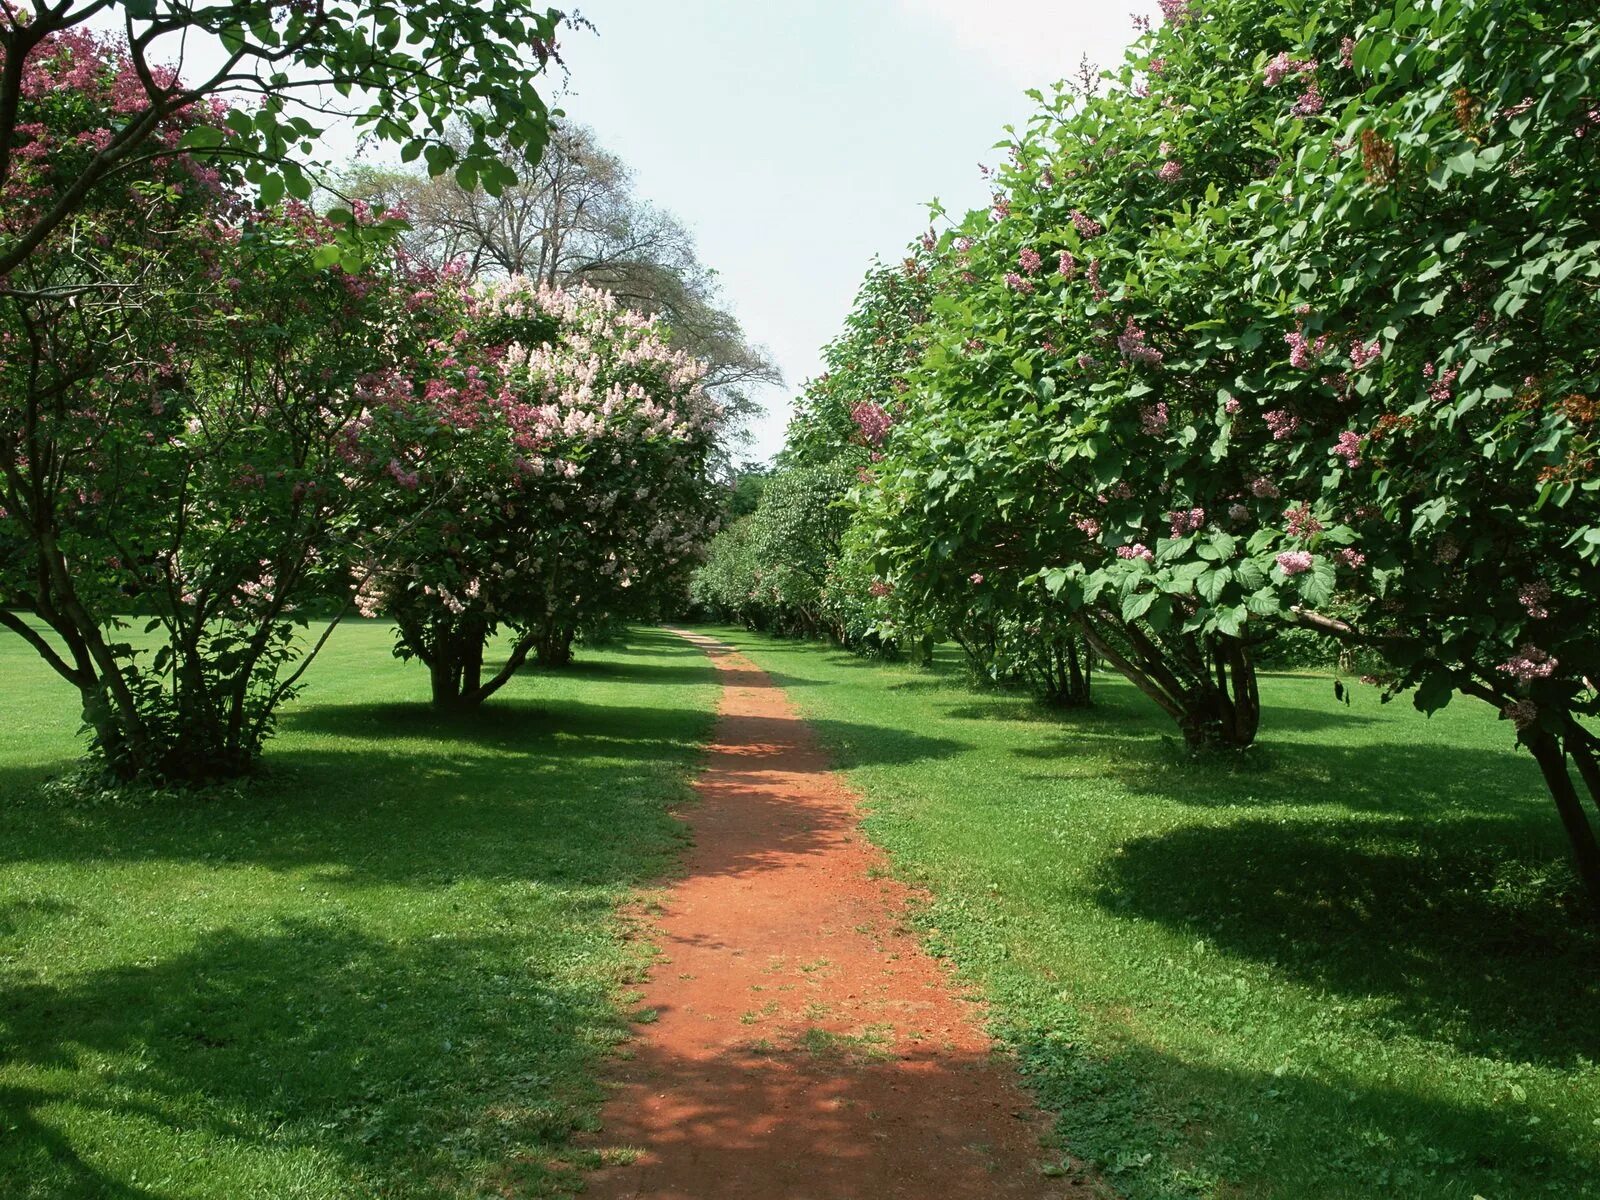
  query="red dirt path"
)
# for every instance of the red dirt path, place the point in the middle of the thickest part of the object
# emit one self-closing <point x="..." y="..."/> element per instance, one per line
<point x="807" y="1048"/>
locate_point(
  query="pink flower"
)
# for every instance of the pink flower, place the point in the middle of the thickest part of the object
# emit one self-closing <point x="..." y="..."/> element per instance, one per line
<point x="1186" y="521"/>
<point x="1282" y="66"/>
<point x="1086" y="226"/>
<point x="1535" y="599"/>
<point x="1294" y="562"/>
<point x="1348" y="447"/>
<point x="1444" y="383"/>
<point x="1347" y="53"/>
<point x="1089" y="526"/>
<point x="1264" y="489"/>
<point x="1352" y="558"/>
<point x="1521" y="713"/>
<point x="1100" y="293"/>
<point x="1171" y="171"/>
<point x="975" y="578"/>
<point x="1301" y="523"/>
<point x="1232" y="405"/>
<point x="1363" y="355"/>
<point x="1135" y="551"/>
<point x="1066" y="265"/>
<point x="1153" y="418"/>
<point x="1175" y="11"/>
<point x="873" y="421"/>
<point x="1028" y="259"/>
<point x="1529" y="663"/>
<point x="1304" y="353"/>
<point x="1282" y="422"/>
<point x="1131" y="341"/>
<point x="1018" y="284"/>
<point x="1309" y="103"/>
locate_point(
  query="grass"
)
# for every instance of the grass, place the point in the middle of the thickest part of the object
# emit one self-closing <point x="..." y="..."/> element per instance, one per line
<point x="1351" y="968"/>
<point x="386" y="969"/>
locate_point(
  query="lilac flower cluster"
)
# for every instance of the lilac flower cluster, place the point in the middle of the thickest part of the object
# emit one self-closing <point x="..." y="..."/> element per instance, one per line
<point x="1137" y="550"/>
<point x="1294" y="562"/>
<point x="1535" y="599"/>
<point x="1282" y="422"/>
<point x="1529" y="663"/>
<point x="1131" y="342"/>
<point x="1153" y="418"/>
<point x="1186" y="521"/>
<point x="1348" y="447"/>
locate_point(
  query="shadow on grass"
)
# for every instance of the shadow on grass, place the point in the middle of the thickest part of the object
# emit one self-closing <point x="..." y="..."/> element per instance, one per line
<point x="443" y="1058"/>
<point x="1156" y="1125"/>
<point x="1455" y="927"/>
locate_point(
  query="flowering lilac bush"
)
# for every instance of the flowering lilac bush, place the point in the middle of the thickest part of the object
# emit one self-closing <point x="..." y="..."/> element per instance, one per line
<point x="421" y="70"/>
<point x="179" y="390"/>
<point x="1337" y="371"/>
<point x="560" y="482"/>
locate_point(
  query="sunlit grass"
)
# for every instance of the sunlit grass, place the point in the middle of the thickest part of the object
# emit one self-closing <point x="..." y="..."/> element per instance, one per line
<point x="387" y="968"/>
<point x="1351" y="968"/>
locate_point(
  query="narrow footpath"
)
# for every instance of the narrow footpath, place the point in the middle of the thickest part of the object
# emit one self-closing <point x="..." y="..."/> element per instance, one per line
<point x="806" y="1047"/>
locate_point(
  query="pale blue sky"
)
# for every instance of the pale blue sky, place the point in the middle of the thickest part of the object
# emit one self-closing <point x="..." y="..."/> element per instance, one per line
<point x="798" y="139"/>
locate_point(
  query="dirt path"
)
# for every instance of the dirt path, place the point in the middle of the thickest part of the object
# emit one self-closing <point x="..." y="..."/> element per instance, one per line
<point x="807" y="1048"/>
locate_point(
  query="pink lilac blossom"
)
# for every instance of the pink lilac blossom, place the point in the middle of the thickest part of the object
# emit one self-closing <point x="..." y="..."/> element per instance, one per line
<point x="1086" y="226"/>
<point x="873" y="421"/>
<point x="1351" y="558"/>
<point x="1264" y="489"/>
<point x="1232" y="405"/>
<point x="1347" y="53"/>
<point x="1282" y="66"/>
<point x="1087" y="362"/>
<point x="1018" y="284"/>
<point x="1153" y="418"/>
<point x="1529" y="663"/>
<point x="1309" y="103"/>
<point x="1444" y="382"/>
<point x="1171" y="171"/>
<point x="1348" y="447"/>
<point x="975" y="578"/>
<point x="1521" y="713"/>
<point x="1089" y="526"/>
<point x="1186" y="521"/>
<point x="1066" y="265"/>
<point x="1282" y="422"/>
<point x="1293" y="562"/>
<point x="1363" y="355"/>
<point x="1535" y="599"/>
<point x="1301" y="523"/>
<point x="1304" y="353"/>
<point x="1137" y="550"/>
<point x="1175" y="11"/>
<point x="1131" y="342"/>
<point x="929" y="241"/>
<point x="1028" y="259"/>
<point x="1095" y="286"/>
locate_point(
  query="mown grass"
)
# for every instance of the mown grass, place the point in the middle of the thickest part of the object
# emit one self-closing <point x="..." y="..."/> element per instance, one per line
<point x="1350" y="968"/>
<point x="387" y="968"/>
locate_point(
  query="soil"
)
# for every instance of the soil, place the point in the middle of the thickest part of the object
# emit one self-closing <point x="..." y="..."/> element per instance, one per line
<point x="803" y="1045"/>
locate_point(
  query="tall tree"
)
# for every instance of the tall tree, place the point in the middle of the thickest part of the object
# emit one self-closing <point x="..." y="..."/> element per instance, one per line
<point x="573" y="219"/>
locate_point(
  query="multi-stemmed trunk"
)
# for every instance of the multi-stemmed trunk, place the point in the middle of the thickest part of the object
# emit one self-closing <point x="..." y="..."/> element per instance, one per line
<point x="1064" y="673"/>
<point x="1205" y="682"/>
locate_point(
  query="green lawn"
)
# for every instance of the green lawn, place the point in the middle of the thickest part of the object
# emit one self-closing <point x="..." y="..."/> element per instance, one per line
<point x="387" y="969"/>
<point x="1348" y="970"/>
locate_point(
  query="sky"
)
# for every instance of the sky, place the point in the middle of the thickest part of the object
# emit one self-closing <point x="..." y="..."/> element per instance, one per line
<point x="798" y="138"/>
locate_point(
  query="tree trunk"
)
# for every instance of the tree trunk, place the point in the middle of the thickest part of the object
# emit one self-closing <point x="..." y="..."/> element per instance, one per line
<point x="554" y="647"/>
<point x="1552" y="761"/>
